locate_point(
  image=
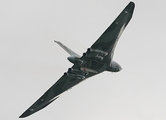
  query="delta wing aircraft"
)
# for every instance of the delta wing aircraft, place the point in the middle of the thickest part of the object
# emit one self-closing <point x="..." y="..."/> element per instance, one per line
<point x="97" y="59"/>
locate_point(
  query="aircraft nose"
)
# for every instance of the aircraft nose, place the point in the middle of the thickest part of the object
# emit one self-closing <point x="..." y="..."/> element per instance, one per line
<point x="120" y="68"/>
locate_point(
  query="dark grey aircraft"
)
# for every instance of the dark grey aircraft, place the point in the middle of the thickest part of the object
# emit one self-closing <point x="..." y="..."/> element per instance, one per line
<point x="97" y="59"/>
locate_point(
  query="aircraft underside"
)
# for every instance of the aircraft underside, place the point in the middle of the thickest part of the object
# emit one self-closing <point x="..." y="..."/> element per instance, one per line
<point x="97" y="59"/>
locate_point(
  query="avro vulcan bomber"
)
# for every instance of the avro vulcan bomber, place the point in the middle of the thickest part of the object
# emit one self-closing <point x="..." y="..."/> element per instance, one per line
<point x="97" y="59"/>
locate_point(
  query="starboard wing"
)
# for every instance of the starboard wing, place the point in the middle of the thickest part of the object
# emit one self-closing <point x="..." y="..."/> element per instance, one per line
<point x="107" y="41"/>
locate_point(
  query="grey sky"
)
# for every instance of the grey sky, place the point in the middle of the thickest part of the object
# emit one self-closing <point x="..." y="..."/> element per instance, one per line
<point x="31" y="62"/>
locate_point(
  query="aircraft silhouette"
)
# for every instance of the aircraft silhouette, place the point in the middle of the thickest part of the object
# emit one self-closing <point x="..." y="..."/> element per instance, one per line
<point x="97" y="59"/>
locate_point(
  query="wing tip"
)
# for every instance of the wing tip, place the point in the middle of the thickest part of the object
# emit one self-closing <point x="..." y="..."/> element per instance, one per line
<point x="132" y="3"/>
<point x="25" y="114"/>
<point x="31" y="111"/>
<point x="130" y="7"/>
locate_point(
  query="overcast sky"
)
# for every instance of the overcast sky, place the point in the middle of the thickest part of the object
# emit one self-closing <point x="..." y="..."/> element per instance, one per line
<point x="30" y="62"/>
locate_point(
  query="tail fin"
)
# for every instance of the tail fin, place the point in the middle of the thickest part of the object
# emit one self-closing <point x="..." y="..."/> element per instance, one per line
<point x="67" y="49"/>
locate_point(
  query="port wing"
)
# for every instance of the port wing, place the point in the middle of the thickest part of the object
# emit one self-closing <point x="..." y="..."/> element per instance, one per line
<point x="63" y="84"/>
<point x="71" y="78"/>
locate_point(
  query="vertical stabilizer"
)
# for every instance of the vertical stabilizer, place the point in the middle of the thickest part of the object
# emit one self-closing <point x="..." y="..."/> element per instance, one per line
<point x="72" y="53"/>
